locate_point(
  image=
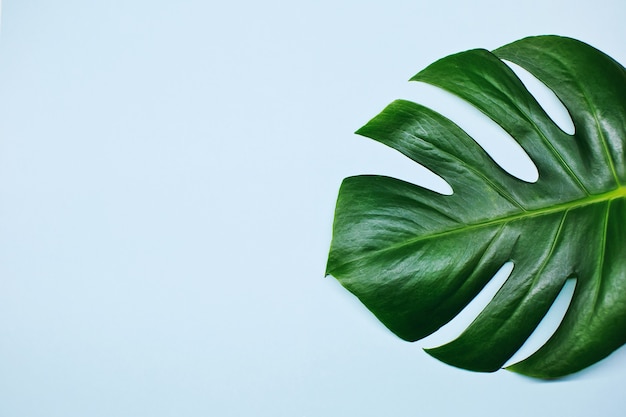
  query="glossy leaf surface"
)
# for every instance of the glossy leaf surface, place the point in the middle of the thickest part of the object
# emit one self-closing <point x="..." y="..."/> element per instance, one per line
<point x="416" y="258"/>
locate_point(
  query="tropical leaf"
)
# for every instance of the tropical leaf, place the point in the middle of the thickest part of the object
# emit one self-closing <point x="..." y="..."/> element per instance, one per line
<point x="416" y="258"/>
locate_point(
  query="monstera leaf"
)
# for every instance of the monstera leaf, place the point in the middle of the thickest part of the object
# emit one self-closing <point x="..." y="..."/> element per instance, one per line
<point x="416" y="258"/>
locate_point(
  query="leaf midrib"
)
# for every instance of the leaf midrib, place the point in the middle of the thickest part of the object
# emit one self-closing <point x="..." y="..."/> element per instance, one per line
<point x="619" y="192"/>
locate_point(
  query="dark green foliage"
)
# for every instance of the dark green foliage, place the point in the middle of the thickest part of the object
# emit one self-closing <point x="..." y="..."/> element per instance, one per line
<point x="416" y="258"/>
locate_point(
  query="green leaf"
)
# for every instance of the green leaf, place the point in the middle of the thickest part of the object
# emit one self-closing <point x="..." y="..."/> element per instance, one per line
<point x="416" y="258"/>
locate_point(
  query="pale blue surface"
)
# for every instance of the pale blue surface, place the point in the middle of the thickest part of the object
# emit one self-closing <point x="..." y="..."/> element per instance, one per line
<point x="168" y="173"/>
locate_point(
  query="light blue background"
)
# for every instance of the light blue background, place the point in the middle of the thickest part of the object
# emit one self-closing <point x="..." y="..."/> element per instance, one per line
<point x="168" y="174"/>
